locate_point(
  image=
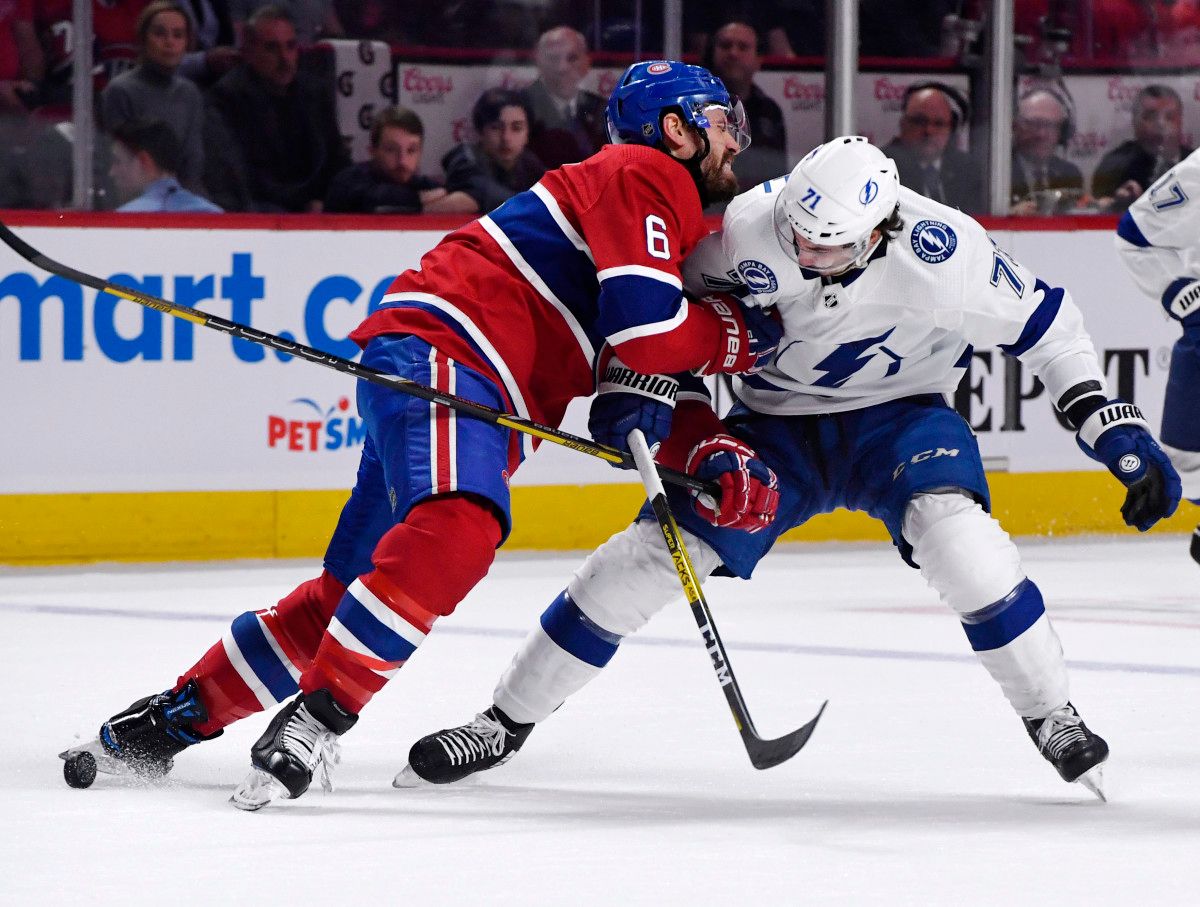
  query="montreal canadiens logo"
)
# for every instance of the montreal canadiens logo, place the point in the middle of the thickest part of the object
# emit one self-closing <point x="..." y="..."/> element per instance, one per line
<point x="1129" y="463"/>
<point x="759" y="278"/>
<point x="869" y="193"/>
<point x="933" y="241"/>
<point x="656" y="68"/>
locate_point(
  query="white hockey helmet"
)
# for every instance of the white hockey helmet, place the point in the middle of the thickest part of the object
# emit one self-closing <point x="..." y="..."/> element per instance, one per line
<point x="833" y="199"/>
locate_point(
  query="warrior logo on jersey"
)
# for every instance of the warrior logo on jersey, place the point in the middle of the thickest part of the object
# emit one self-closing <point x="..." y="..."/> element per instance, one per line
<point x="758" y="277"/>
<point x="868" y="193"/>
<point x="933" y="241"/>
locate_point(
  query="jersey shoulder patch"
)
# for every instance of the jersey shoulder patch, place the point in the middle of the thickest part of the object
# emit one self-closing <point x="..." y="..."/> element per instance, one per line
<point x="933" y="241"/>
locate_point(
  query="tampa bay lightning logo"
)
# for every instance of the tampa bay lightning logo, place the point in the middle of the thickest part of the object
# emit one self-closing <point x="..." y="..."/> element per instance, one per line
<point x="758" y="277"/>
<point x="868" y="193"/>
<point x="933" y="241"/>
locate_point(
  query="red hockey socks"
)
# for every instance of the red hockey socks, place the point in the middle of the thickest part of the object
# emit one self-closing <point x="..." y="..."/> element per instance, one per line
<point x="423" y="568"/>
<point x="259" y="660"/>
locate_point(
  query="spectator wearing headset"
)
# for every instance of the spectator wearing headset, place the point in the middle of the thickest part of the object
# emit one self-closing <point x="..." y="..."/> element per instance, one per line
<point x="1043" y="182"/>
<point x="924" y="150"/>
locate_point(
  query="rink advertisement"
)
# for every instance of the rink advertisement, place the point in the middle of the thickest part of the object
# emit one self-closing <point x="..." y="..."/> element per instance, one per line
<point x="113" y="397"/>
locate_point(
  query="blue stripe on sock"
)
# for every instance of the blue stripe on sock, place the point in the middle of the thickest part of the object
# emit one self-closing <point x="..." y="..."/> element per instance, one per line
<point x="381" y="639"/>
<point x="575" y="632"/>
<point x="1001" y="622"/>
<point x="250" y="639"/>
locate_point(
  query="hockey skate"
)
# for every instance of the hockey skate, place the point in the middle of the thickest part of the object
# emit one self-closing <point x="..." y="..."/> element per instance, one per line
<point x="1068" y="745"/>
<point x="142" y="740"/>
<point x="1196" y="545"/>
<point x="300" y="741"/>
<point x="455" y="753"/>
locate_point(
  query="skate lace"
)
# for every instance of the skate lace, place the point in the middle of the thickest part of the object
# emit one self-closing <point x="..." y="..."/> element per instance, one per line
<point x="309" y="740"/>
<point x="482" y="737"/>
<point x="1060" y="731"/>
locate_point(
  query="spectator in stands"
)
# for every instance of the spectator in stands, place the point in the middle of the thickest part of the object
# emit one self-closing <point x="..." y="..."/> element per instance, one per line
<point x="1127" y="171"/>
<point x="22" y="66"/>
<point x="146" y="156"/>
<point x="391" y="182"/>
<point x="567" y="123"/>
<point x="312" y="19"/>
<point x="734" y="58"/>
<point x="924" y="151"/>
<point x="500" y="164"/>
<point x="1043" y="182"/>
<point x="154" y="90"/>
<point x="114" y="44"/>
<point x="213" y="52"/>
<point x="273" y="138"/>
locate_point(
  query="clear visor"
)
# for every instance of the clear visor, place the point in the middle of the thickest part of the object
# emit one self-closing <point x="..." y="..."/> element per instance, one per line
<point x="730" y="117"/>
<point x="827" y="260"/>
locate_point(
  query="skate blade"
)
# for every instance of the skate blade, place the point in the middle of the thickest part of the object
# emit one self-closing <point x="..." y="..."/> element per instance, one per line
<point x="1093" y="780"/>
<point x="407" y="778"/>
<point x="104" y="762"/>
<point x="257" y="791"/>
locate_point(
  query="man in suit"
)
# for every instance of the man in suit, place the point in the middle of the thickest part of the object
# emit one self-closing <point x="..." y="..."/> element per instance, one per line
<point x="734" y="58"/>
<point x="925" y="156"/>
<point x="568" y="123"/>
<point x="1157" y="145"/>
<point x="1042" y="125"/>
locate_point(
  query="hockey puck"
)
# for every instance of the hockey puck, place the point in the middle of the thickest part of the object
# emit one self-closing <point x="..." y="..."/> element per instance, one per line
<point x="79" y="769"/>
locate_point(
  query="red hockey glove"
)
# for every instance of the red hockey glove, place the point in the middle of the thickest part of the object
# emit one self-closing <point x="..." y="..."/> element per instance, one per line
<point x="749" y="488"/>
<point x="749" y="336"/>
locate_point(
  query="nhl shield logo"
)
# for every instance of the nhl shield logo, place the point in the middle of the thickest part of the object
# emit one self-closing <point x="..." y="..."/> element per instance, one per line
<point x="933" y="241"/>
<point x="758" y="277"/>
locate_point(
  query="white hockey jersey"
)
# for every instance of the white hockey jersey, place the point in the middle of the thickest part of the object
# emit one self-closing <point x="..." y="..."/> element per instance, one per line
<point x="1158" y="238"/>
<point x="903" y="325"/>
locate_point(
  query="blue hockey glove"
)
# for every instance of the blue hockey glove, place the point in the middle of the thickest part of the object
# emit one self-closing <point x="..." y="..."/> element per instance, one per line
<point x="1117" y="435"/>
<point x="1182" y="301"/>
<point x="750" y="337"/>
<point x="626" y="400"/>
<point x="749" y="488"/>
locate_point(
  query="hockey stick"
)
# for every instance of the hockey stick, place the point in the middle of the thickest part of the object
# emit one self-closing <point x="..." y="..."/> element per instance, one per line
<point x="763" y="753"/>
<point x="346" y="366"/>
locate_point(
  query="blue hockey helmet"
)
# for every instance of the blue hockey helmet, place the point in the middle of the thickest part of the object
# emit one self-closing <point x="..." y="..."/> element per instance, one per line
<point x="647" y="90"/>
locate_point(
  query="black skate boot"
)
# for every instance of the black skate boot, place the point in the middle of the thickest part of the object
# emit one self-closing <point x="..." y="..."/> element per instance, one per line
<point x="1196" y="545"/>
<point x="142" y="740"/>
<point x="453" y="754"/>
<point x="300" y="741"/>
<point x="1069" y="746"/>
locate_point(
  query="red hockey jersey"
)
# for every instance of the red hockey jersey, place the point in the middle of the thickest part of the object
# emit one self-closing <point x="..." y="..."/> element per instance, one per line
<point x="530" y="293"/>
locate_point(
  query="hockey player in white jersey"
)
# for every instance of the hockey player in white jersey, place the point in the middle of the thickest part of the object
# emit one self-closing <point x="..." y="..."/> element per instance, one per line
<point x="882" y="294"/>
<point x="1158" y="239"/>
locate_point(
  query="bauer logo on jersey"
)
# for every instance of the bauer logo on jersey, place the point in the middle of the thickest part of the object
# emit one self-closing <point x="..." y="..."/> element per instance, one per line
<point x="309" y="427"/>
<point x="869" y="193"/>
<point x="758" y="277"/>
<point x="933" y="241"/>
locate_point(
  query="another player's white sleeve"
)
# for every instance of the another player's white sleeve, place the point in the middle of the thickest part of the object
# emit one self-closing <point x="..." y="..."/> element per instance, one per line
<point x="1007" y="306"/>
<point x="1158" y="238"/>
<point x="708" y="269"/>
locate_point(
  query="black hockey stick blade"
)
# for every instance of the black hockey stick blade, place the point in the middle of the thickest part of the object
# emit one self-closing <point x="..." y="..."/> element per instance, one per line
<point x="770" y="753"/>
<point x="345" y="366"/>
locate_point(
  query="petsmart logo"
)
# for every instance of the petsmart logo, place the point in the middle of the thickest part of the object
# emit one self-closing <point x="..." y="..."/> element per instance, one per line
<point x="317" y="429"/>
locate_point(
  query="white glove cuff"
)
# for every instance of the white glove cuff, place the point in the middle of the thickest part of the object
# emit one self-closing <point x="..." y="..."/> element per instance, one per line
<point x="619" y="378"/>
<point x="1110" y="415"/>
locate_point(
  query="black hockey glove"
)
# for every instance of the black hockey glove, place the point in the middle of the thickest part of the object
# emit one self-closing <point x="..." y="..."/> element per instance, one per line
<point x="626" y="400"/>
<point x="1116" y="434"/>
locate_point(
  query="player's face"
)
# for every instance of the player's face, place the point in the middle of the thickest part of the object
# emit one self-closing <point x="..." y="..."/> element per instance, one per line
<point x="1158" y="124"/>
<point x="273" y="53"/>
<point x="505" y="138"/>
<point x="831" y="260"/>
<point x="719" y="180"/>
<point x="926" y="125"/>
<point x="166" y="39"/>
<point x="398" y="154"/>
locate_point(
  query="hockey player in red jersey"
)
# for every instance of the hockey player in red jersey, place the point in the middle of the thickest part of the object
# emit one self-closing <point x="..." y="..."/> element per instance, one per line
<point x="516" y="311"/>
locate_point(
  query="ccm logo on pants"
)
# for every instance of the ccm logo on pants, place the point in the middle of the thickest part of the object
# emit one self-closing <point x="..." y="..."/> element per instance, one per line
<point x="922" y="457"/>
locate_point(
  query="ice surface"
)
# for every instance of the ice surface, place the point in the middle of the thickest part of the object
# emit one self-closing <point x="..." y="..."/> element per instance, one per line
<point x="918" y="787"/>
